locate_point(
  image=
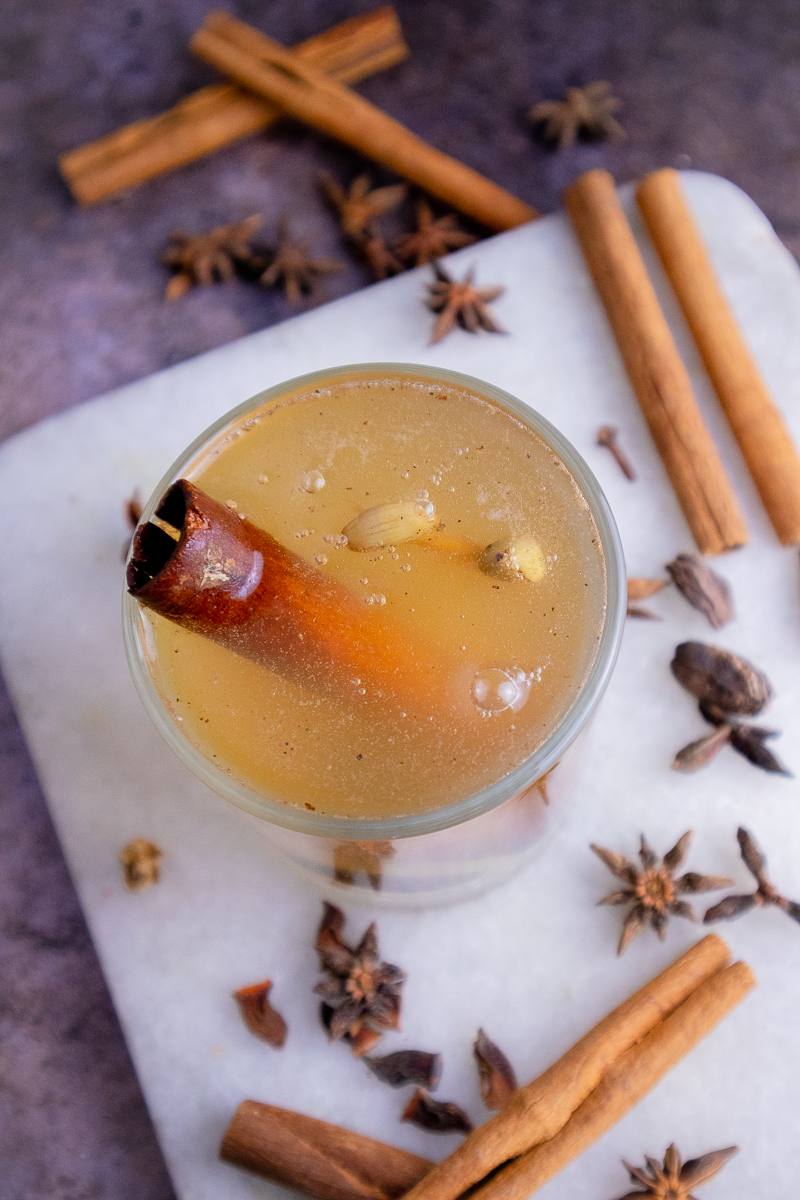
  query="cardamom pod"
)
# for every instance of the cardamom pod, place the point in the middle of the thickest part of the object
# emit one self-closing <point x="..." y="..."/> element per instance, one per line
<point x="388" y="524"/>
<point x="721" y="679"/>
<point x="703" y="588"/>
<point x="514" y="558"/>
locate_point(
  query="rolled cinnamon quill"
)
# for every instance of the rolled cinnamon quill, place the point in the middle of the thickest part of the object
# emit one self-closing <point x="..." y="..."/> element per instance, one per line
<point x="757" y="425"/>
<point x="319" y="1160"/>
<point x="624" y="1084"/>
<point x="219" y="114"/>
<point x="282" y="77"/>
<point x="230" y="581"/>
<point x="540" y="1110"/>
<point x="654" y="366"/>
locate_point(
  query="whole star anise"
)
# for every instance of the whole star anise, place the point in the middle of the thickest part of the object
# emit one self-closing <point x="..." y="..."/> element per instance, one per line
<point x="360" y="207"/>
<point x="653" y="891"/>
<point x="765" y="894"/>
<point x="361" y="995"/>
<point x="294" y="264"/>
<point x="382" y="260"/>
<point x="202" y="258"/>
<point x="586" y="111"/>
<point x="674" y="1179"/>
<point x="433" y="238"/>
<point x="460" y="302"/>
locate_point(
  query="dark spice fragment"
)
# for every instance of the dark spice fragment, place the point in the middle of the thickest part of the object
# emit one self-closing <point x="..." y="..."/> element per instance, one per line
<point x="703" y="588"/>
<point x="259" y="1015"/>
<point x="675" y="1180"/>
<point x="653" y="891"/>
<point x="360" y="996"/>
<point x="408" y="1066"/>
<point x="720" y="678"/>
<point x="607" y="436"/>
<point x="139" y="861"/>
<point x="497" y="1078"/>
<point x="749" y="740"/>
<point x="765" y="894"/>
<point x="435" y="1115"/>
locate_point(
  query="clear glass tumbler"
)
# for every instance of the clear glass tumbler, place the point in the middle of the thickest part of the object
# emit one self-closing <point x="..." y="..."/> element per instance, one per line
<point x="450" y="853"/>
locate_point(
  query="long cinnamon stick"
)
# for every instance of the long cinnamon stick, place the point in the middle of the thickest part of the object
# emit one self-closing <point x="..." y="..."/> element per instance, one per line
<point x="219" y="114"/>
<point x="323" y="1161"/>
<point x="624" y="1084"/>
<point x="654" y="366"/>
<point x="538" y="1111"/>
<point x="230" y="581"/>
<point x="269" y="70"/>
<point x="757" y="425"/>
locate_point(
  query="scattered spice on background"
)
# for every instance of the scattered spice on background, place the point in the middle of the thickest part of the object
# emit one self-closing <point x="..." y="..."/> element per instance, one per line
<point x="359" y="208"/>
<point x="653" y="891"/>
<point x="727" y="687"/>
<point x="139" y="860"/>
<point x="206" y="257"/>
<point x="361" y="995"/>
<point x="675" y="1180"/>
<point x="383" y="261"/>
<point x="408" y="1066"/>
<point x="436" y="1116"/>
<point x="460" y="302"/>
<point x="703" y="588"/>
<point x="294" y="264"/>
<point x="259" y="1015"/>
<point x="586" y="112"/>
<point x="642" y="589"/>
<point x="607" y="436"/>
<point x="497" y="1078"/>
<point x="433" y="238"/>
<point x="351" y="857"/>
<point x="765" y="894"/>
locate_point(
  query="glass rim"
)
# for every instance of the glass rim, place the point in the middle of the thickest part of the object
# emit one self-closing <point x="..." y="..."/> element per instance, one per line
<point x="288" y="816"/>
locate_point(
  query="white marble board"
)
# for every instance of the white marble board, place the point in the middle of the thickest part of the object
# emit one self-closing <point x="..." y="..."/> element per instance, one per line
<point x="534" y="962"/>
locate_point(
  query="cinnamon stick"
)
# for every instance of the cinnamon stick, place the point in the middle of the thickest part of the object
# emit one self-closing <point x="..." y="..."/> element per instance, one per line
<point x="757" y="425"/>
<point x="320" y="1160"/>
<point x="654" y="366"/>
<point x="283" y="77"/>
<point x="624" y="1084"/>
<point x="219" y="114"/>
<point x="230" y="581"/>
<point x="538" y="1111"/>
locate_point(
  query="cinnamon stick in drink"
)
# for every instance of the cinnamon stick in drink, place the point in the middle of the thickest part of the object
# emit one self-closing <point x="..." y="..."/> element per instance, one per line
<point x="654" y="366"/>
<point x="540" y="1110"/>
<point x="758" y="426"/>
<point x="319" y="1160"/>
<point x="624" y="1084"/>
<point x="230" y="581"/>
<point x="219" y="114"/>
<point x="282" y="77"/>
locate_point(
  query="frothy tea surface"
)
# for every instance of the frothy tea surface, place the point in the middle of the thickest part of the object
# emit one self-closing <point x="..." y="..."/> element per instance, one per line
<point x="304" y="468"/>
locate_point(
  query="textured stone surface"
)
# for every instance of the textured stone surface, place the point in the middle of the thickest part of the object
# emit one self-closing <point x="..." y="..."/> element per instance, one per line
<point x="711" y="85"/>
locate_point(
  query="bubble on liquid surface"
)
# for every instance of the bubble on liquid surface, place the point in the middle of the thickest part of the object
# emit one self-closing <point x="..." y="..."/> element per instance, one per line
<point x="313" y="481"/>
<point x="499" y="689"/>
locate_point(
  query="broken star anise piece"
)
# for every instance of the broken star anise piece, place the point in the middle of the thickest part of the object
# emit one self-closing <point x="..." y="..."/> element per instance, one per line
<point x="437" y="1116"/>
<point x="765" y="894"/>
<point x="258" y="1014"/>
<point x="586" y="112"/>
<point x="433" y="237"/>
<point x="703" y="588"/>
<point x="294" y="264"/>
<point x="203" y="258"/>
<point x="382" y="260"/>
<point x="675" y="1180"/>
<point x="749" y="741"/>
<point x="349" y="858"/>
<point x="460" y="302"/>
<point x="360" y="207"/>
<point x="497" y="1078"/>
<point x="361" y="995"/>
<point x="407" y="1066"/>
<point x="700" y="753"/>
<point x="653" y="891"/>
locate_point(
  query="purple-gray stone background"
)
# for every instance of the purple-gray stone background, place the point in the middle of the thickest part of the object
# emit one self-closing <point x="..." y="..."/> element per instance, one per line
<point x="711" y="84"/>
